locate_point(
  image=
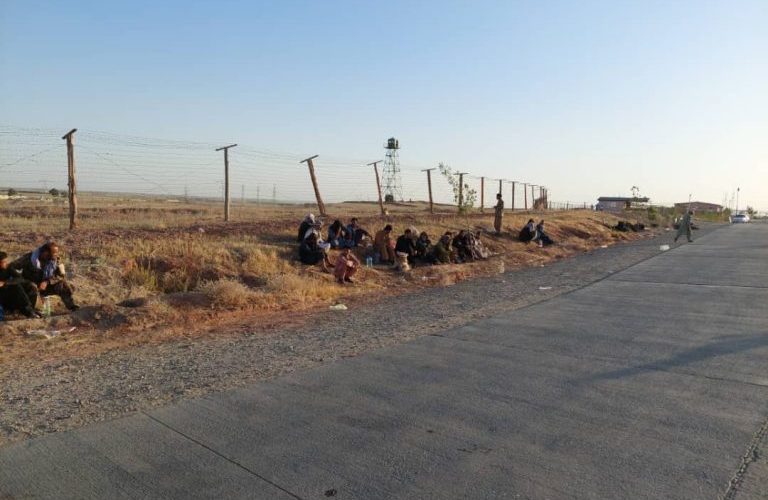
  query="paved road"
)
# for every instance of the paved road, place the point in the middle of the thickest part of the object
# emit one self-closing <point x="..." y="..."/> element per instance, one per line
<point x="649" y="384"/>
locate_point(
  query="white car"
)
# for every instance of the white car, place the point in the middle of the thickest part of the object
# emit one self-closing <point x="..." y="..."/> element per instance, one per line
<point x="739" y="218"/>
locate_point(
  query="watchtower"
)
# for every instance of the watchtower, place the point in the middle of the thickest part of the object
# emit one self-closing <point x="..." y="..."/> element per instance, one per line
<point x="393" y="185"/>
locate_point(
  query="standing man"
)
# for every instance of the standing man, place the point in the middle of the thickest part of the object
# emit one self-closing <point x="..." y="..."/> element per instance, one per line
<point x="499" y="213"/>
<point x="685" y="227"/>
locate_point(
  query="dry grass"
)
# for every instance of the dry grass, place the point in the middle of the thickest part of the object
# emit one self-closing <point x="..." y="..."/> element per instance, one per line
<point x="147" y="275"/>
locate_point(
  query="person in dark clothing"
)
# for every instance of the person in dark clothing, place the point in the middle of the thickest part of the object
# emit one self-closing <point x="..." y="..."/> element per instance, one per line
<point x="406" y="244"/>
<point x="44" y="268"/>
<point x="337" y="234"/>
<point x="16" y="294"/>
<point x="463" y="246"/>
<point x="542" y="238"/>
<point x="311" y="253"/>
<point x="528" y="232"/>
<point x="306" y="224"/>
<point x="423" y="246"/>
<point x="354" y="234"/>
<point x="441" y="252"/>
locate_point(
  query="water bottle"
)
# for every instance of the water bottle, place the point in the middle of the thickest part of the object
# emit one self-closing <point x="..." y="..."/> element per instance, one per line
<point x="47" y="307"/>
<point x="369" y="261"/>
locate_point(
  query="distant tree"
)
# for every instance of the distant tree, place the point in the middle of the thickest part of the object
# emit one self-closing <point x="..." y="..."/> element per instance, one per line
<point x="750" y="211"/>
<point x="54" y="192"/>
<point x="635" y="192"/>
<point x="469" y="195"/>
<point x="12" y="192"/>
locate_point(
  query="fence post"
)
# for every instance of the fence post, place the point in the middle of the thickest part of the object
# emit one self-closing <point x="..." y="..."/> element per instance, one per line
<point x="226" y="179"/>
<point x="513" y="195"/>
<point x="71" y="184"/>
<point x="525" y="192"/>
<point x="482" y="194"/>
<point x="429" y="186"/>
<point x="311" y="165"/>
<point x="378" y="184"/>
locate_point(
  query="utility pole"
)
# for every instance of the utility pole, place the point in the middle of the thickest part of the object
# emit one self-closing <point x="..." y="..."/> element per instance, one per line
<point x="71" y="184"/>
<point x="513" y="195"/>
<point x="461" y="189"/>
<point x="429" y="185"/>
<point x="378" y="184"/>
<point x="482" y="194"/>
<point x="226" y="179"/>
<point x="738" y="190"/>
<point x="501" y="186"/>
<point x="533" y="196"/>
<point x="311" y="165"/>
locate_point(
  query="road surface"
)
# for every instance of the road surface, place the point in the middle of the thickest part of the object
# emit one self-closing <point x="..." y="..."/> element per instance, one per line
<point x="651" y="383"/>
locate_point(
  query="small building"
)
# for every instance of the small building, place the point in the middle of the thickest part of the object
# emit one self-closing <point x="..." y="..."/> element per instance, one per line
<point x="700" y="207"/>
<point x="619" y="203"/>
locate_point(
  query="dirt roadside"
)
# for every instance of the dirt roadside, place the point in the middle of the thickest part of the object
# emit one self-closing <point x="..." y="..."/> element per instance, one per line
<point x="65" y="394"/>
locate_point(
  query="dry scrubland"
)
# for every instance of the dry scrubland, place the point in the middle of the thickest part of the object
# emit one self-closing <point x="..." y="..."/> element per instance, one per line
<point x="148" y="271"/>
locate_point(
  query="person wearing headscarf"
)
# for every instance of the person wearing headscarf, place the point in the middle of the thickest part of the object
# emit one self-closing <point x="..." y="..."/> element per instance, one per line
<point x="16" y="294"/>
<point x="307" y="223"/>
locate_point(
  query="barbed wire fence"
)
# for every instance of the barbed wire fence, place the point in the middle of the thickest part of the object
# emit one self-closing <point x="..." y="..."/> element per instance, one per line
<point x="107" y="163"/>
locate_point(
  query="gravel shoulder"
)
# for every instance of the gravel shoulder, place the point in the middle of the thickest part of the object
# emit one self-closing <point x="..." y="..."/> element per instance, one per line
<point x="70" y="393"/>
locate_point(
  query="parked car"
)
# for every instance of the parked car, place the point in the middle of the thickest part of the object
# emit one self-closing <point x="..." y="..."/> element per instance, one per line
<point x="739" y="218"/>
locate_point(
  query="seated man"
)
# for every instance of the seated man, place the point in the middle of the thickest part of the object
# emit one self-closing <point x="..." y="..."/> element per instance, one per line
<point x="311" y="252"/>
<point x="463" y="247"/>
<point x="385" y="245"/>
<point x="336" y="234"/>
<point x="441" y="252"/>
<point x="16" y="294"/>
<point x="479" y="251"/>
<point x="355" y="233"/>
<point x="406" y="245"/>
<point x="542" y="239"/>
<point x="307" y="223"/>
<point x="43" y="268"/>
<point x="347" y="265"/>
<point x="423" y="246"/>
<point x="528" y="232"/>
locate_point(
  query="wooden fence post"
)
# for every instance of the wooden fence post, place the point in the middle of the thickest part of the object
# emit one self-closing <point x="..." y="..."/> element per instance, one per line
<point x="71" y="183"/>
<point x="378" y="185"/>
<point x="513" y="195"/>
<point x="429" y="185"/>
<point x="311" y="165"/>
<point x="461" y="189"/>
<point x="226" y="179"/>
<point x="482" y="194"/>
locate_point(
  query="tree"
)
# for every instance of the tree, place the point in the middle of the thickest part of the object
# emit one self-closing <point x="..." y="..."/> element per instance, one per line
<point x="635" y="192"/>
<point x="12" y="192"/>
<point x="750" y="211"/>
<point x="469" y="195"/>
<point x="54" y="192"/>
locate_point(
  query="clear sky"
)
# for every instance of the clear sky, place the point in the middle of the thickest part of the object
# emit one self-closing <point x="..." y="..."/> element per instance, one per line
<point x="587" y="97"/>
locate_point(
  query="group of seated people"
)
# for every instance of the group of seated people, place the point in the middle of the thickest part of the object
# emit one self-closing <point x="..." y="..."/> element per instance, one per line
<point x="411" y="248"/>
<point x="38" y="273"/>
<point x="533" y="232"/>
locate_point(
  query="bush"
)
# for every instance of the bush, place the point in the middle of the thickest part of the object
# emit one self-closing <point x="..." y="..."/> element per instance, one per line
<point x="228" y="294"/>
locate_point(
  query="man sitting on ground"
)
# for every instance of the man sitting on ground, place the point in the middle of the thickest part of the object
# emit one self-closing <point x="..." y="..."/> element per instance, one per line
<point x="406" y="246"/>
<point x="441" y="252"/>
<point x="423" y="246"/>
<point x="385" y="245"/>
<point x="305" y="225"/>
<point x="542" y="238"/>
<point x="43" y="268"/>
<point x="463" y="247"/>
<point x="311" y="252"/>
<point x="528" y="232"/>
<point x="16" y="294"/>
<point x="336" y="234"/>
<point x="355" y="234"/>
<point x="347" y="265"/>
